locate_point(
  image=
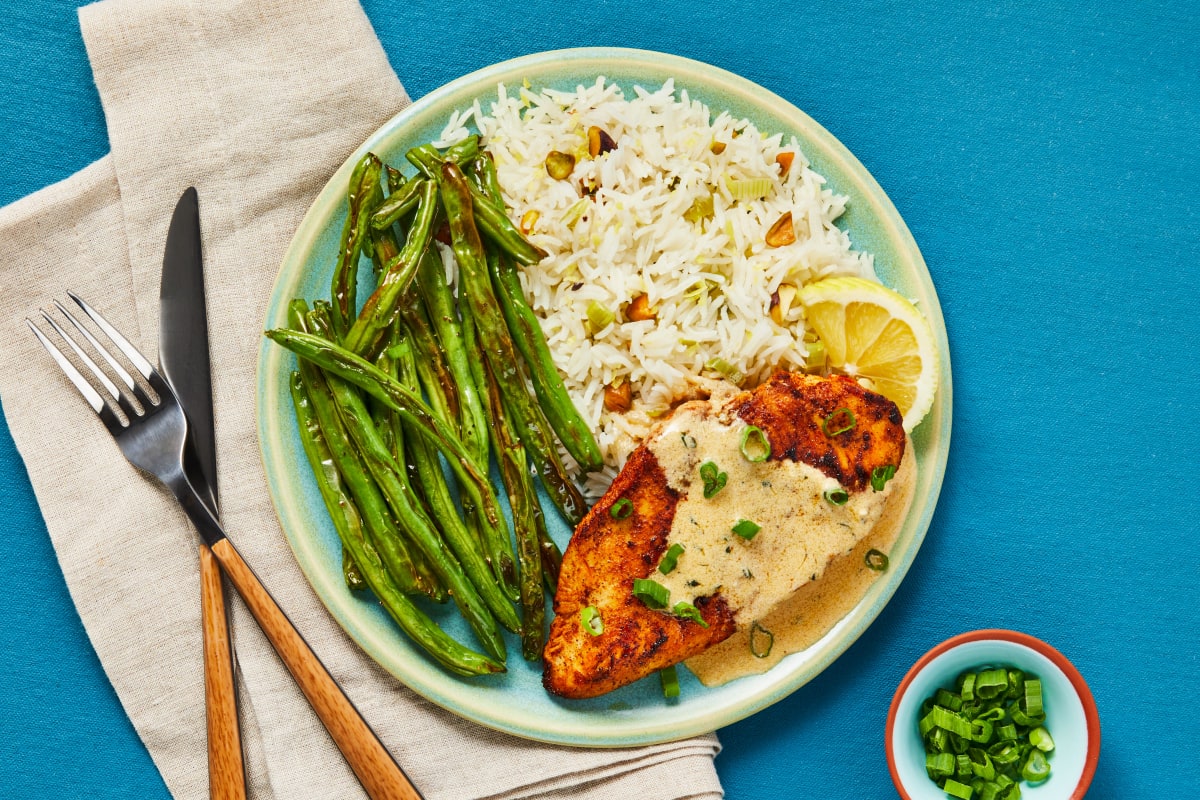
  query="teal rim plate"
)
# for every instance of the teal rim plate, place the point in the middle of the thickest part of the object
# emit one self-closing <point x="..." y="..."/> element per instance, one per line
<point x="515" y="702"/>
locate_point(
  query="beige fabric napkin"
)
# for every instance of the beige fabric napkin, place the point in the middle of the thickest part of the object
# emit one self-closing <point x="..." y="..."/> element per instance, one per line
<point x="254" y="102"/>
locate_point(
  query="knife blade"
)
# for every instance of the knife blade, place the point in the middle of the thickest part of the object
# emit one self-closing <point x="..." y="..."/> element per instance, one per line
<point x="183" y="339"/>
<point x="184" y="357"/>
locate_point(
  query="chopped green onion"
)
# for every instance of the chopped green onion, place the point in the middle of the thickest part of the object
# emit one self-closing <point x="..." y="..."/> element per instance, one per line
<point x="652" y="593"/>
<point x="956" y="789"/>
<point x="814" y="359"/>
<point x="589" y="617"/>
<point x="761" y="641"/>
<point x="621" y="509"/>
<point x="714" y="479"/>
<point x="575" y="212"/>
<point x="731" y="373"/>
<point x="669" y="558"/>
<point x="838" y="497"/>
<point x="991" y="683"/>
<point x="1041" y="739"/>
<point x="749" y="188"/>
<point x="840" y="421"/>
<point x="688" y="611"/>
<point x="599" y="315"/>
<point x="881" y="475"/>
<point x="980" y="739"/>
<point x="700" y="209"/>
<point x="876" y="560"/>
<point x="689" y="441"/>
<point x="1036" y="768"/>
<point x="754" y="445"/>
<point x="1033" y="697"/>
<point x="747" y="529"/>
<point x="939" y="765"/>
<point x="670" y="681"/>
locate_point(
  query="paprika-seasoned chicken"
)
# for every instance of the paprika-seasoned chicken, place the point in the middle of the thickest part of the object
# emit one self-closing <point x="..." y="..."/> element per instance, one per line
<point x="758" y="492"/>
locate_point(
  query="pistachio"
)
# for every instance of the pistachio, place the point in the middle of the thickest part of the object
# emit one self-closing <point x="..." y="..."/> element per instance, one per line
<point x="618" y="398"/>
<point x="528" y="220"/>
<point x="599" y="142"/>
<point x="781" y="232"/>
<point x="639" y="309"/>
<point x="559" y="165"/>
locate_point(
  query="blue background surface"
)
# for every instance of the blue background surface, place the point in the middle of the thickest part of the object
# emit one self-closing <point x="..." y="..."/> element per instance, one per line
<point x="1044" y="156"/>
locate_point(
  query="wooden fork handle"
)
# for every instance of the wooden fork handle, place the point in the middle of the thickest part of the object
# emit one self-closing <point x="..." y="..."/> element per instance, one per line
<point x="378" y="772"/>
<point x="226" y="769"/>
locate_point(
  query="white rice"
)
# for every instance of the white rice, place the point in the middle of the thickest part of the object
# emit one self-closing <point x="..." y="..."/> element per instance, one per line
<point x="709" y="284"/>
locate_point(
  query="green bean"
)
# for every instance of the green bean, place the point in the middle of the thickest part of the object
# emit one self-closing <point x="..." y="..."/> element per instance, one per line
<point x="496" y="344"/>
<point x="494" y="223"/>
<point x="444" y="649"/>
<point x="391" y="430"/>
<point x="499" y="549"/>
<point x="398" y="204"/>
<point x="431" y="364"/>
<point x="364" y="191"/>
<point x="551" y="555"/>
<point x="442" y="505"/>
<point x="339" y="361"/>
<point x="484" y="176"/>
<point x="350" y="571"/>
<point x="522" y="498"/>
<point x="412" y="518"/>
<point x="573" y="432"/>
<point x="395" y="178"/>
<point x="427" y="159"/>
<point x="362" y="488"/>
<point x="564" y="418"/>
<point x="439" y="303"/>
<point x="377" y="312"/>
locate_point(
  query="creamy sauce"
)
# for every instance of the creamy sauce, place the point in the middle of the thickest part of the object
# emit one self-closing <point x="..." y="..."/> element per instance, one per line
<point x="800" y="531"/>
<point x="801" y="619"/>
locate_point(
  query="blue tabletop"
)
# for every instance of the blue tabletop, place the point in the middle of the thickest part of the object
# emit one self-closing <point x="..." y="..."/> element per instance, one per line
<point x="1045" y="158"/>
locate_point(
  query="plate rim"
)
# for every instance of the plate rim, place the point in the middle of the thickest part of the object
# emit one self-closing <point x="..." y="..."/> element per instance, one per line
<point x="714" y="80"/>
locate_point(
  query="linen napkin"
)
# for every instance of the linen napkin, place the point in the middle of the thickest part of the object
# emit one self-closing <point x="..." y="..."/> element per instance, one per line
<point x="256" y="103"/>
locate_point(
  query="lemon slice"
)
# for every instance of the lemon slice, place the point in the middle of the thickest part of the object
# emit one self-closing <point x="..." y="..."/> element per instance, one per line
<point x="872" y="333"/>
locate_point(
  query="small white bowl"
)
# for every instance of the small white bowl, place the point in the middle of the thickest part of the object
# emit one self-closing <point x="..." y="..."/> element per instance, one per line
<point x="1071" y="715"/>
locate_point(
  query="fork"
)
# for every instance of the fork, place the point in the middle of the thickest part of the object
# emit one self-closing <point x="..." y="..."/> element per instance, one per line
<point x="151" y="432"/>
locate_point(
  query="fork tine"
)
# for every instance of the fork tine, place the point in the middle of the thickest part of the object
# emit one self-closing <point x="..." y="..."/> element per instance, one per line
<point x="122" y="373"/>
<point x="85" y="358"/>
<point x="138" y="360"/>
<point x="91" y="395"/>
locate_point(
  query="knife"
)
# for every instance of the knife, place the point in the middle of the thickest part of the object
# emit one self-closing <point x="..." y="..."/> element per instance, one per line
<point x="183" y="355"/>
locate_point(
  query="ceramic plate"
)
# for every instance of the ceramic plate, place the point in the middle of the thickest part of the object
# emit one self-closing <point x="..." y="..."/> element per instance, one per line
<point x="516" y="702"/>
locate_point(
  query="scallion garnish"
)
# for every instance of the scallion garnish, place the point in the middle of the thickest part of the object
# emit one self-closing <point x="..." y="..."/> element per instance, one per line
<point x="840" y="421"/>
<point x="621" y="509"/>
<point x="689" y="441"/>
<point x="837" y="497"/>
<point x="670" y="681"/>
<point x="881" y="475"/>
<point x="747" y="529"/>
<point x="876" y="560"/>
<point x="980" y="741"/>
<point x="599" y="315"/>
<point x="652" y="593"/>
<point x="754" y="445"/>
<point x="714" y="479"/>
<point x="589" y="618"/>
<point x="688" y="611"/>
<point x="731" y="373"/>
<point x="669" y="558"/>
<point x="761" y="640"/>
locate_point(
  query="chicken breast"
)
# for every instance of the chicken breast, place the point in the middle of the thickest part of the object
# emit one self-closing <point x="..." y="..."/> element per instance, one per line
<point x="758" y="491"/>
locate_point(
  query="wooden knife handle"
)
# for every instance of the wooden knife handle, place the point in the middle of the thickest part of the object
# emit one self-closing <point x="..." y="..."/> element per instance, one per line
<point x="226" y="769"/>
<point x="378" y="772"/>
